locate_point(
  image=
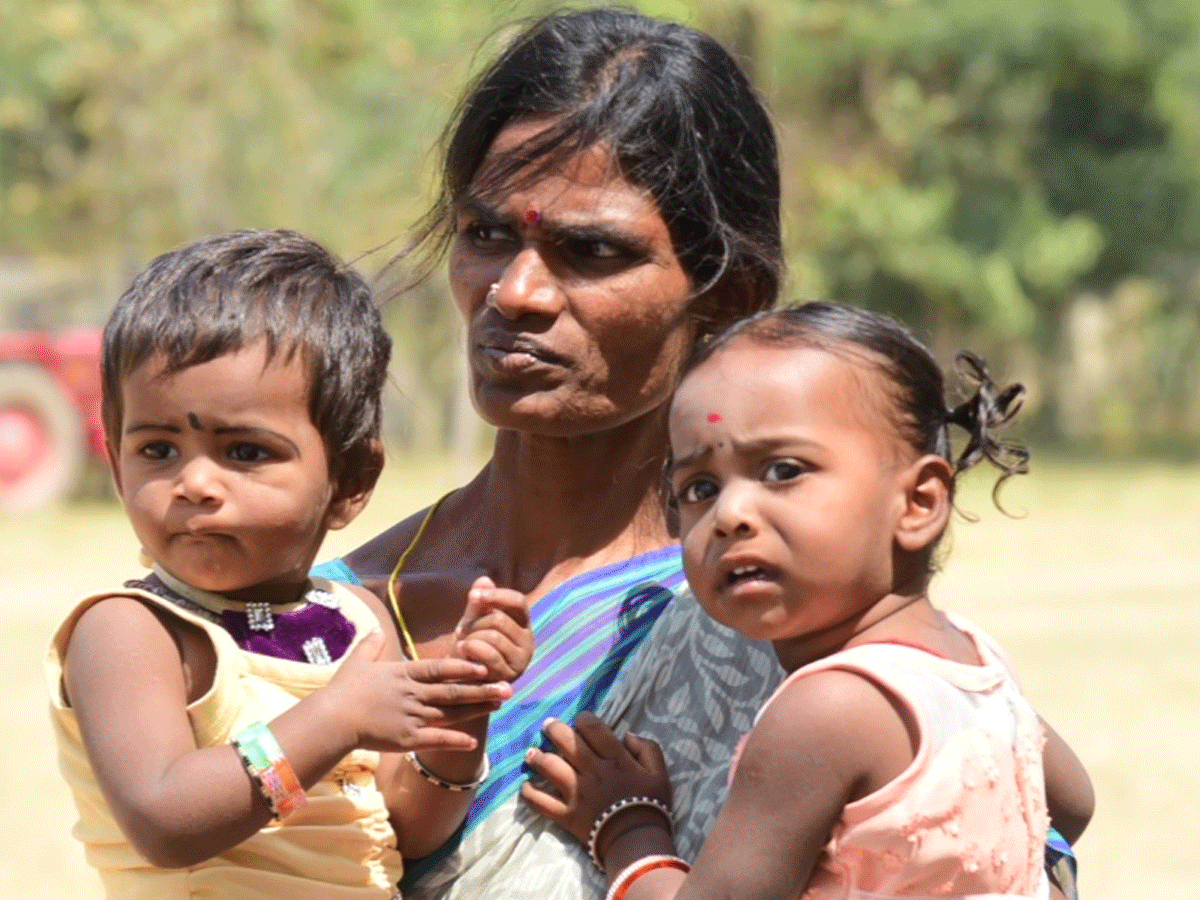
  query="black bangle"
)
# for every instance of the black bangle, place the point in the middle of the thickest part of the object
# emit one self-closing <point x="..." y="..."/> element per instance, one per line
<point x="433" y="778"/>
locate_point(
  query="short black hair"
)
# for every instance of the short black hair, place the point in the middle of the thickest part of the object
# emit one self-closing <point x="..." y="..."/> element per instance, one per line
<point x="224" y="293"/>
<point x="678" y="114"/>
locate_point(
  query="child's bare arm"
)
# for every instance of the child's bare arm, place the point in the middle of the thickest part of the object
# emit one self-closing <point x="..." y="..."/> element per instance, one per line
<point x="824" y="741"/>
<point x="180" y="804"/>
<point x="493" y="632"/>
<point x="1069" y="795"/>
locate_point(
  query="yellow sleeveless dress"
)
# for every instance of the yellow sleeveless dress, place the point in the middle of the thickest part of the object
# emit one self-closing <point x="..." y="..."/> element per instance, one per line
<point x="339" y="846"/>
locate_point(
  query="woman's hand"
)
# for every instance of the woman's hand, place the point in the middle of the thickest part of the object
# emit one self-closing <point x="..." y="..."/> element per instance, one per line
<point x="592" y="770"/>
<point x="494" y="630"/>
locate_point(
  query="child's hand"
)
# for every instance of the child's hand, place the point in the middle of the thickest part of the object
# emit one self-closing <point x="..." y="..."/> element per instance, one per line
<point x="494" y="630"/>
<point x="594" y="770"/>
<point x="396" y="706"/>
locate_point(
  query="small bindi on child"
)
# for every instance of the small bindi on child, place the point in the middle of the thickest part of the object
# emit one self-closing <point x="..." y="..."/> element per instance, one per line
<point x="194" y="421"/>
<point x="532" y="216"/>
<point x="714" y="417"/>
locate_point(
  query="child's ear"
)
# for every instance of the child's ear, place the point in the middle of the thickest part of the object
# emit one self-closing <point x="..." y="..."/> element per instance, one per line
<point x="929" y="496"/>
<point x="356" y="479"/>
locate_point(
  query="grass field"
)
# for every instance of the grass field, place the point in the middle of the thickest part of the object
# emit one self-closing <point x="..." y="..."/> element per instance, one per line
<point x="1095" y="591"/>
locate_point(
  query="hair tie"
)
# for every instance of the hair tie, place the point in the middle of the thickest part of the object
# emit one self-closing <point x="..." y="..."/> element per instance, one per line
<point x="984" y="413"/>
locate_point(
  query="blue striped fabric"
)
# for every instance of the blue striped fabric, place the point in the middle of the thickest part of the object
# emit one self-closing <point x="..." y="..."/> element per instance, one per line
<point x="583" y="632"/>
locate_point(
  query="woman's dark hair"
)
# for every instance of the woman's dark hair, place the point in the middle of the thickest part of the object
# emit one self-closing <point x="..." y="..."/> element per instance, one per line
<point x="224" y="293"/>
<point x="913" y="380"/>
<point x="679" y="116"/>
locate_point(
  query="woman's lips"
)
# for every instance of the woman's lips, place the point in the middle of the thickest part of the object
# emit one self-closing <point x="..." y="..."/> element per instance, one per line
<point x="513" y="355"/>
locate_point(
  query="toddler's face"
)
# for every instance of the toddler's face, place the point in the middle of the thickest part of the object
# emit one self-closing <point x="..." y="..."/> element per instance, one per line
<point x="223" y="474"/>
<point x="788" y="480"/>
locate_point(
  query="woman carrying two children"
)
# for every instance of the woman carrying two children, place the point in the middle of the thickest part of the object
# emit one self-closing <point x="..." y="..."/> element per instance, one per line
<point x="610" y="200"/>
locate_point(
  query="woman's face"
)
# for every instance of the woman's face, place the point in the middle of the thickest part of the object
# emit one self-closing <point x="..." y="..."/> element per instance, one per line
<point x="589" y="320"/>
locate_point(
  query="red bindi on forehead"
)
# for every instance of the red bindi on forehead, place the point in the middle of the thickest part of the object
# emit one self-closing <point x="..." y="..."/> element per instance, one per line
<point x="714" y="417"/>
<point x="532" y="216"/>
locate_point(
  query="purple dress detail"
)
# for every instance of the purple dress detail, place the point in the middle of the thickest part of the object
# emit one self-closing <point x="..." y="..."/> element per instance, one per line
<point x="286" y="640"/>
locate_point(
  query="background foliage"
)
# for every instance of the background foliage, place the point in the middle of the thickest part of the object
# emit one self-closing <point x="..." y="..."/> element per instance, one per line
<point x="1023" y="179"/>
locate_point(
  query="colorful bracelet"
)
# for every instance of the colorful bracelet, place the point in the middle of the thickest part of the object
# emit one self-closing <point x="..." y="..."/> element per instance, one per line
<point x="612" y="810"/>
<point x="265" y="763"/>
<point x="634" y="871"/>
<point x="433" y="778"/>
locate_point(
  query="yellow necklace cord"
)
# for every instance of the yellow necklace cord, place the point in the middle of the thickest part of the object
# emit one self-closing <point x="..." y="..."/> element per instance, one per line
<point x="410" y="646"/>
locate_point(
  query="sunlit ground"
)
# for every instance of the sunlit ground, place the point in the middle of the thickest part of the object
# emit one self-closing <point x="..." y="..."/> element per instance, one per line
<point x="1095" y="592"/>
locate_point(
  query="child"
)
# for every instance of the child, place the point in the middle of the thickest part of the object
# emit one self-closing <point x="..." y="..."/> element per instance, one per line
<point x="812" y="470"/>
<point x="230" y="727"/>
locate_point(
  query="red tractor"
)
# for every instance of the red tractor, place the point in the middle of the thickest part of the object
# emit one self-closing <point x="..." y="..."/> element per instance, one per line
<point x="50" y="425"/>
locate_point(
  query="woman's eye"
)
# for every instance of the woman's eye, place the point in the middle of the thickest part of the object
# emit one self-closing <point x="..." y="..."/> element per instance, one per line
<point x="248" y="453"/>
<point x="783" y="470"/>
<point x="696" y="491"/>
<point x="596" y="250"/>
<point x="482" y="233"/>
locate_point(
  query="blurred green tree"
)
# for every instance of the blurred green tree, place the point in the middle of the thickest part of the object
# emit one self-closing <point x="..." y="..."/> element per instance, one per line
<point x="1019" y="178"/>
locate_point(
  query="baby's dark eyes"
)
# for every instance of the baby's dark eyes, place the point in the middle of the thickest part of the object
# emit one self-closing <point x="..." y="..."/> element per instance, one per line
<point x="783" y="470"/>
<point x="696" y="490"/>
<point x="248" y="453"/>
<point x="157" y="450"/>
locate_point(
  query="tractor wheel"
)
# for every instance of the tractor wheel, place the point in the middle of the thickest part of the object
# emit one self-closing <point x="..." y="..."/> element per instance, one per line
<point x="42" y="451"/>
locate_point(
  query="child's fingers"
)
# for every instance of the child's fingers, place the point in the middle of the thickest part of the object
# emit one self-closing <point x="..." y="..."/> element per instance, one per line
<point x="491" y="620"/>
<point x="454" y="693"/>
<point x="554" y="769"/>
<point x="484" y="652"/>
<point x="434" y="738"/>
<point x="459" y="713"/>
<point x="444" y="669"/>
<point x="544" y="803"/>
<point x="599" y="737"/>
<point x="484" y="598"/>
<point x="505" y="659"/>
<point x="647" y="752"/>
<point x="568" y="742"/>
<point x="476" y="606"/>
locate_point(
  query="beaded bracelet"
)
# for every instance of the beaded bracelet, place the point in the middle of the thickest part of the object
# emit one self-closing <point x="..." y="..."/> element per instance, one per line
<point x="270" y="770"/>
<point x="631" y="873"/>
<point x="612" y="810"/>
<point x="433" y="778"/>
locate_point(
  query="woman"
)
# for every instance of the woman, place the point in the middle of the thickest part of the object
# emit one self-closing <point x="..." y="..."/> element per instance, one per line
<point x="610" y="197"/>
